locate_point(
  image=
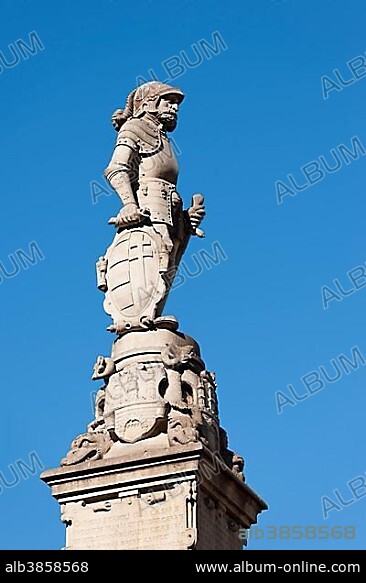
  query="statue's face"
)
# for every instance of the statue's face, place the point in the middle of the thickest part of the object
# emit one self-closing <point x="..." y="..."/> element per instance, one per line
<point x="167" y="111"/>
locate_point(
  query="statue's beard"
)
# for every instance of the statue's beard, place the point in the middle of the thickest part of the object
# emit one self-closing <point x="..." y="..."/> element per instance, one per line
<point x="169" y="120"/>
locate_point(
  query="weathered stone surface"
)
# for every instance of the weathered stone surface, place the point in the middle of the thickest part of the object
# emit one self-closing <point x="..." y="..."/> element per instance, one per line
<point x="173" y="498"/>
<point x="153" y="469"/>
<point x="153" y="229"/>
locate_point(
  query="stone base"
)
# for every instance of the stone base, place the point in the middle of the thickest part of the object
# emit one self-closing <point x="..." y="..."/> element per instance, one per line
<point x="168" y="498"/>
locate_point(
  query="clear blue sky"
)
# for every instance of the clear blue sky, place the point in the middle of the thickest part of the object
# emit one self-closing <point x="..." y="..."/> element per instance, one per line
<point x="253" y="114"/>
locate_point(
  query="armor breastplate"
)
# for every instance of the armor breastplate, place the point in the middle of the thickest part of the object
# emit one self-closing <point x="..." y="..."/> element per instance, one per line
<point x="157" y="168"/>
<point x="160" y="164"/>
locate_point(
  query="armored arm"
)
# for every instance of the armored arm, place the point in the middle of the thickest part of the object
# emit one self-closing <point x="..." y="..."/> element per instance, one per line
<point x="121" y="171"/>
<point x="122" y="175"/>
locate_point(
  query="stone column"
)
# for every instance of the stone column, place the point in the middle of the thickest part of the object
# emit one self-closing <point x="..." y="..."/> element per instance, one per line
<point x="153" y="469"/>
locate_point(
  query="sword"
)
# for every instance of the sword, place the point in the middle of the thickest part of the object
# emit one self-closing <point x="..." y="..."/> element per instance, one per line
<point x="198" y="200"/>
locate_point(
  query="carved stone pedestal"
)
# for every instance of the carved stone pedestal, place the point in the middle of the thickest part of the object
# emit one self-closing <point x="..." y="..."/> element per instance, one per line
<point x="180" y="497"/>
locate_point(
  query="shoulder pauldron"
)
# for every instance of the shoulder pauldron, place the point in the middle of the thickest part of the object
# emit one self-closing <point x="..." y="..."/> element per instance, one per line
<point x="143" y="133"/>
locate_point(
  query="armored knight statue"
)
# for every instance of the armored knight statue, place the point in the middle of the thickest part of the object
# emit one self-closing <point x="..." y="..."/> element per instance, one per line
<point x="156" y="388"/>
<point x="153" y="229"/>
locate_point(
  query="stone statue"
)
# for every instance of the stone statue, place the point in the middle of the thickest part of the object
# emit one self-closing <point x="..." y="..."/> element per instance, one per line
<point x="152" y="228"/>
<point x="156" y="389"/>
<point x="153" y="469"/>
